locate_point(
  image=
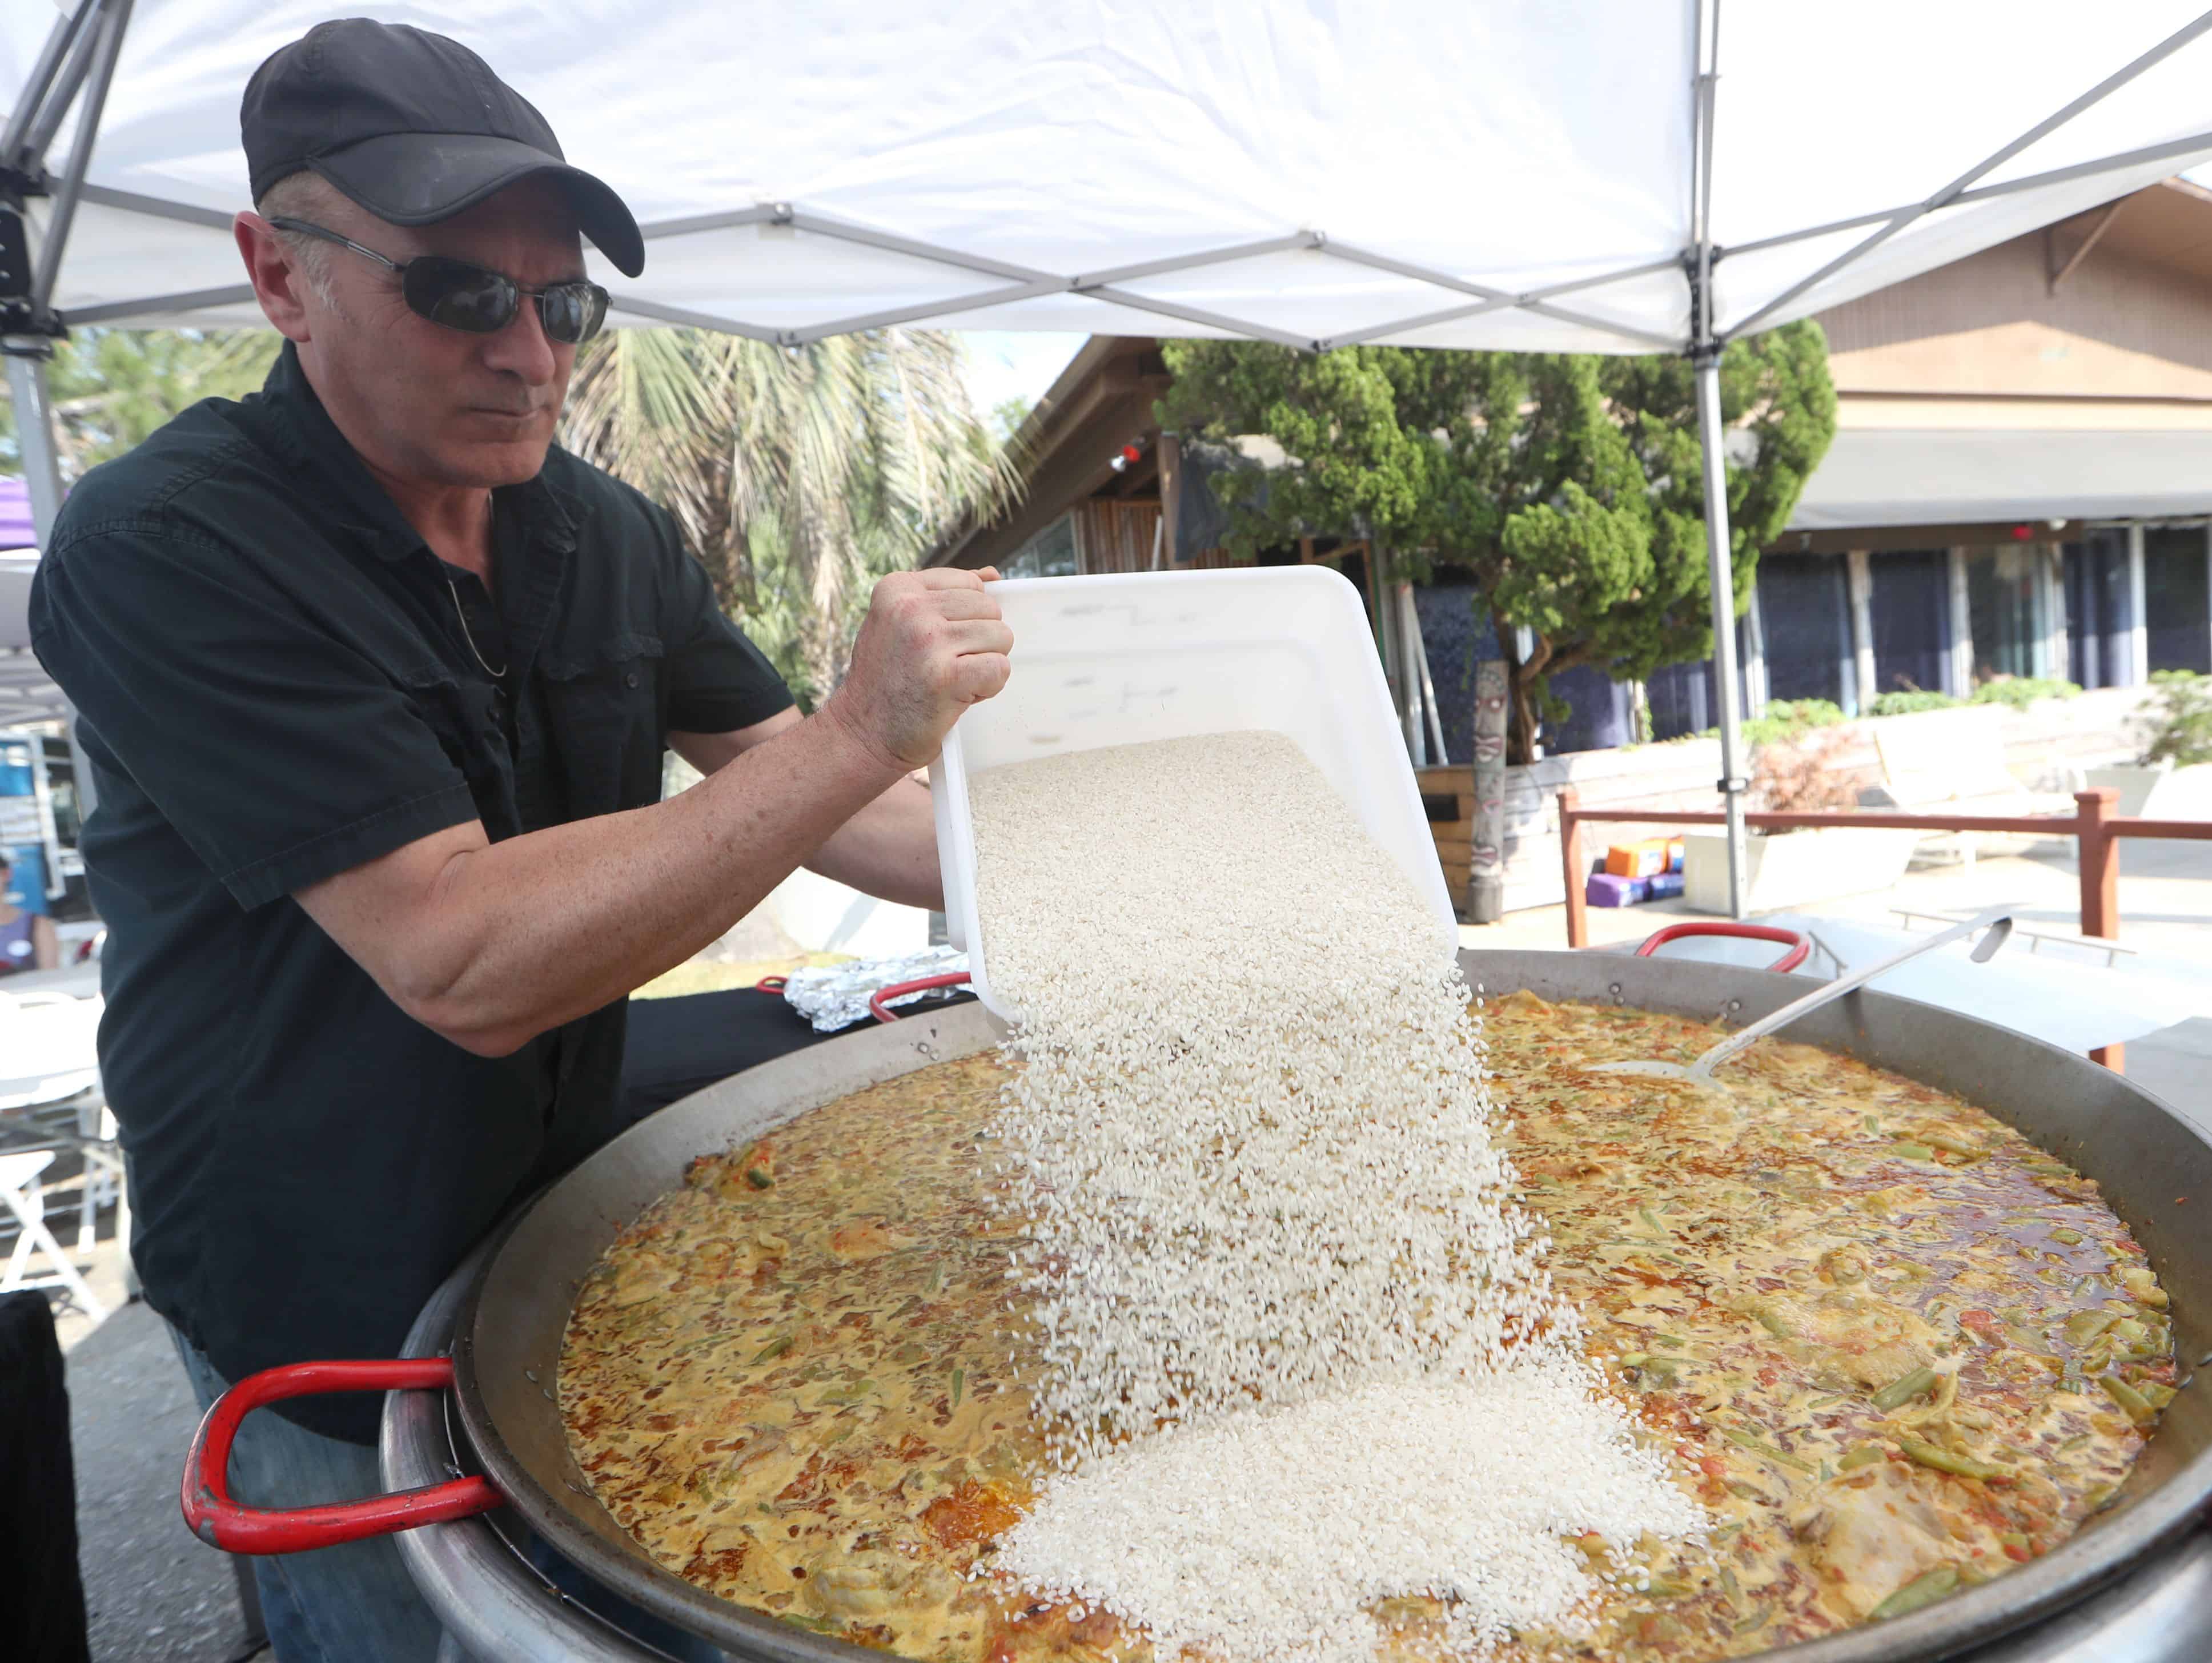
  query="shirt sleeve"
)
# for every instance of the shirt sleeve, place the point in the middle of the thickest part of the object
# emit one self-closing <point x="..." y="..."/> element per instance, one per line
<point x="718" y="680"/>
<point x="280" y="753"/>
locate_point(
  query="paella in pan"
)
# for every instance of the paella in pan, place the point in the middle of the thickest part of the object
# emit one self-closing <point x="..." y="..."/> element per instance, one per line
<point x="1893" y="1349"/>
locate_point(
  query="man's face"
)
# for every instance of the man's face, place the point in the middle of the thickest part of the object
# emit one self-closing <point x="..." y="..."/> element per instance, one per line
<point x="431" y="405"/>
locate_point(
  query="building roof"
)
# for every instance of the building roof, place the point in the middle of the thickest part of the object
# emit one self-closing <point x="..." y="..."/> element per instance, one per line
<point x="2168" y="224"/>
<point x="1068" y="444"/>
<point x="1880" y="477"/>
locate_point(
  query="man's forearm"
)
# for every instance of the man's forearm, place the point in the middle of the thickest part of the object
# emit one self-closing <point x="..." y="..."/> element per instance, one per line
<point x="889" y="849"/>
<point x="539" y="929"/>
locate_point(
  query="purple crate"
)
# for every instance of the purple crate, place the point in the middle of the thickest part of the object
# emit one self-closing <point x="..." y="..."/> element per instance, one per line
<point x="1606" y="890"/>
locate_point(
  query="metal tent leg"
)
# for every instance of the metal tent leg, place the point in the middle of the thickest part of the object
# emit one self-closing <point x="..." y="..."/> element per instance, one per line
<point x="1722" y="577"/>
<point x="35" y="433"/>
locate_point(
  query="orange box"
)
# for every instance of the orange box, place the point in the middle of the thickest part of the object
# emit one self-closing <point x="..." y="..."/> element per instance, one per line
<point x="1637" y="859"/>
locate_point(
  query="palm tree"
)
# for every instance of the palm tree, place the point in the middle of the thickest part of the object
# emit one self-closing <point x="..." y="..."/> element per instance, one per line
<point x="112" y="387"/>
<point x="798" y="475"/>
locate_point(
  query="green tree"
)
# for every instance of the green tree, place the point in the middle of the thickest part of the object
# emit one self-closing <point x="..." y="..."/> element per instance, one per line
<point x="1569" y="484"/>
<point x="112" y="387"/>
<point x="800" y="475"/>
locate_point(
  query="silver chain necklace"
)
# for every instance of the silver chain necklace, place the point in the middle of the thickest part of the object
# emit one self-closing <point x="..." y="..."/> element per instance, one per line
<point x="463" y="615"/>
<point x="469" y="635"/>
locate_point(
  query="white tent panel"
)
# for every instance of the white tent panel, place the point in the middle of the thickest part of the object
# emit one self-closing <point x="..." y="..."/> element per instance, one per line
<point x="1501" y="147"/>
<point x="1831" y="110"/>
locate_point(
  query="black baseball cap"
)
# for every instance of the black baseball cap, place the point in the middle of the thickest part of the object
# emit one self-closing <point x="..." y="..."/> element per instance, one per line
<point x="414" y="128"/>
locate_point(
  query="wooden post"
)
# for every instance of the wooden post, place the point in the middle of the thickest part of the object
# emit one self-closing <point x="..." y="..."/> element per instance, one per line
<point x="1571" y="860"/>
<point x="2100" y="861"/>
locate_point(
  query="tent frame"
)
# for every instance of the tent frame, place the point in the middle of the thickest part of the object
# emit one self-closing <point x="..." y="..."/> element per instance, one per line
<point x="81" y="52"/>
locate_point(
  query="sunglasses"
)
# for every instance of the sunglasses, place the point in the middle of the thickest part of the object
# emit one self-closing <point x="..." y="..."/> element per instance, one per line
<point x="458" y="295"/>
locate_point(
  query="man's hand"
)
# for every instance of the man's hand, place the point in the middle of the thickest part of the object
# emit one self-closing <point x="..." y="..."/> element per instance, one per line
<point x="932" y="645"/>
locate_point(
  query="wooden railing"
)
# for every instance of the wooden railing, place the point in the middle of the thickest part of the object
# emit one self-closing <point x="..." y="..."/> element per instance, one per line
<point x="2092" y="825"/>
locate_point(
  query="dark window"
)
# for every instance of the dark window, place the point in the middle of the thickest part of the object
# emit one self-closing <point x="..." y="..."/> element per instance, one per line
<point x="2005" y="611"/>
<point x="1911" y="621"/>
<point x="1682" y="697"/>
<point x="1599" y="712"/>
<point x="2096" y="619"/>
<point x="1804" y="604"/>
<point x="1454" y="633"/>
<point x="2177" y="607"/>
<point x="1049" y="553"/>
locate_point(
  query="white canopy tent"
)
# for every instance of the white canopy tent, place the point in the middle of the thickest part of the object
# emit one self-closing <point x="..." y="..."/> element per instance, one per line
<point x="1615" y="176"/>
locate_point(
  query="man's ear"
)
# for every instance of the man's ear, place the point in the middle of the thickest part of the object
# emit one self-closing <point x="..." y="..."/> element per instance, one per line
<point x="278" y="283"/>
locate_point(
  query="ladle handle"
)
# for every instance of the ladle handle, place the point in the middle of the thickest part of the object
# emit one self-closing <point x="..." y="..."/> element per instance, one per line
<point x="221" y="1522"/>
<point x="1999" y="917"/>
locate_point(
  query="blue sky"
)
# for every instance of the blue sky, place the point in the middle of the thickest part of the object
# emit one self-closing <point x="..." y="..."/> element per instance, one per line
<point x="1015" y="363"/>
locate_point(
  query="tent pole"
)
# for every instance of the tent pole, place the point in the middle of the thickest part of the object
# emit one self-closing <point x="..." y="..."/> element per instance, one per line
<point x="35" y="435"/>
<point x="42" y="80"/>
<point x="115" y="21"/>
<point x="1721" y="569"/>
<point x="1706" y="346"/>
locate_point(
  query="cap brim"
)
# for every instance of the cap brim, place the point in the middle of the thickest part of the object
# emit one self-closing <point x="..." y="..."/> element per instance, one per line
<point x="420" y="179"/>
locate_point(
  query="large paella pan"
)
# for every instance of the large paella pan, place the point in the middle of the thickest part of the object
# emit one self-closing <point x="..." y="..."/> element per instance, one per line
<point x="2152" y="1167"/>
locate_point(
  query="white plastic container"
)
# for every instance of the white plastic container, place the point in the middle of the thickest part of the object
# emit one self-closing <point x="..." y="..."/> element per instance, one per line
<point x="1128" y="657"/>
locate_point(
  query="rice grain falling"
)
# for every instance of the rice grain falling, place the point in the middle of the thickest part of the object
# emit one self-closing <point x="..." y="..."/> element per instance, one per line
<point x="1302" y="1352"/>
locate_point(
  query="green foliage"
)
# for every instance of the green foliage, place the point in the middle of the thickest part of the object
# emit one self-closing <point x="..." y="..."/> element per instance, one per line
<point x="1786" y="722"/>
<point x="2021" y="691"/>
<point x="2180" y="713"/>
<point x="1569" y="484"/>
<point x="112" y="387"/>
<point x="799" y="477"/>
<point x="1911" y="702"/>
<point x="1007" y="416"/>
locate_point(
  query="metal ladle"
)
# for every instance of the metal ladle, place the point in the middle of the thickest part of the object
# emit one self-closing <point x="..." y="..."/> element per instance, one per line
<point x="1997" y="920"/>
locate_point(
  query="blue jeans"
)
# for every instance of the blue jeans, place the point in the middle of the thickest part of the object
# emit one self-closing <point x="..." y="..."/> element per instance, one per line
<point x="355" y="1603"/>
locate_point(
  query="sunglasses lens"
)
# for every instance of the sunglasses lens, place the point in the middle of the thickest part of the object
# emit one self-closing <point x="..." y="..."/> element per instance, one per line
<point x="460" y="296"/>
<point x="573" y="312"/>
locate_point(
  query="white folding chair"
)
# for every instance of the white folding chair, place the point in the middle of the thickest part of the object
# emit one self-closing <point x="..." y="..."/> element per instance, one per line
<point x="21" y="1194"/>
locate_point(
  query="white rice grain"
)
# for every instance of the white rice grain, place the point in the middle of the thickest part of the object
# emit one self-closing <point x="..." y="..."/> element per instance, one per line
<point x="1301" y="1349"/>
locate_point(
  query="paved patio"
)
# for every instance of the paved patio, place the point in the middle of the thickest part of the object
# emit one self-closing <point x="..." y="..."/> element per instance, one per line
<point x="2165" y="904"/>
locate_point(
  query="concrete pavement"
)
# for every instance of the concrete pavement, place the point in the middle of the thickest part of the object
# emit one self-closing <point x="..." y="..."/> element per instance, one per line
<point x="154" y="1594"/>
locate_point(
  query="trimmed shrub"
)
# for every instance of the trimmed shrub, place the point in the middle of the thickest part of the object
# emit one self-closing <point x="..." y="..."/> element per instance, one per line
<point x="2180" y="718"/>
<point x="1906" y="702"/>
<point x="2021" y="691"/>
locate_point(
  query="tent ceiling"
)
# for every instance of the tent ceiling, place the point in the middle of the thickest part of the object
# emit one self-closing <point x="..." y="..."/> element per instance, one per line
<point x="1951" y="476"/>
<point x="1442" y="174"/>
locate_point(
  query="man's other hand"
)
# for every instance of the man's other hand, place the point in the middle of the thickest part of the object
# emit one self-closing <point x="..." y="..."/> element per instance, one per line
<point x="932" y="643"/>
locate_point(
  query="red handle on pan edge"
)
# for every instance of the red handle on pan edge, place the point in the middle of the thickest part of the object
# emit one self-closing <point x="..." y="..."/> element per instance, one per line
<point x="880" y="999"/>
<point x="221" y="1522"/>
<point x="1799" y="947"/>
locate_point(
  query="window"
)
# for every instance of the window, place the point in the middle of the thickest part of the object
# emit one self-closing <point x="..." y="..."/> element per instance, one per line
<point x="2004" y="605"/>
<point x="1049" y="553"/>
<point x="2176" y="608"/>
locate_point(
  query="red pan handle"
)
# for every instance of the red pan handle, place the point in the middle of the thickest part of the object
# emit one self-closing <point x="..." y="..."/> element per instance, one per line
<point x="221" y="1522"/>
<point x="1799" y="947"/>
<point x="880" y="1001"/>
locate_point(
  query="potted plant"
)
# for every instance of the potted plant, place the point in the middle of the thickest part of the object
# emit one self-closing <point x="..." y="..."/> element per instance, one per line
<point x="1800" y="775"/>
<point x="2177" y="737"/>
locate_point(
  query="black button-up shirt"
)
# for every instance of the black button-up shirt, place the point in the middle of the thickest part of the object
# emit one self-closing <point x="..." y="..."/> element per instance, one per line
<point x="276" y="685"/>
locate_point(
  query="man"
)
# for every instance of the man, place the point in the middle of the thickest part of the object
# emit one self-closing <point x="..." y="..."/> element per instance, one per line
<point x="375" y="687"/>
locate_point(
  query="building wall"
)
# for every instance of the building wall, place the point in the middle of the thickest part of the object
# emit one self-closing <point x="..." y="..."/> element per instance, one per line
<point x="1986" y="330"/>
